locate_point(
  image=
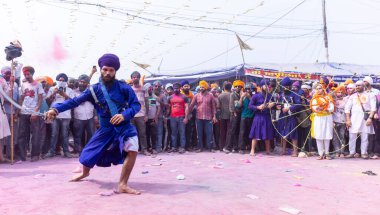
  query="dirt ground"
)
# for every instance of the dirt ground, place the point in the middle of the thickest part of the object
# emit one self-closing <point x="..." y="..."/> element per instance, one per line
<point x="214" y="183"/>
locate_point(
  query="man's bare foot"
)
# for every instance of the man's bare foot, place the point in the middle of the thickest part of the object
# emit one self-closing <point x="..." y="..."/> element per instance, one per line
<point x="252" y="154"/>
<point x="78" y="169"/>
<point x="128" y="190"/>
<point x="79" y="177"/>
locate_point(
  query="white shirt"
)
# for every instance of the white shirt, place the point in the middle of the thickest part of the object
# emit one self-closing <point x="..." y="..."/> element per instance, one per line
<point x="84" y="111"/>
<point x="358" y="124"/>
<point x="60" y="99"/>
<point x="30" y="91"/>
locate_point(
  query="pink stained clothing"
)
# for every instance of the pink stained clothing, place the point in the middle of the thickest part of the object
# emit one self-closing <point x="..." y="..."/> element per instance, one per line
<point x="206" y="105"/>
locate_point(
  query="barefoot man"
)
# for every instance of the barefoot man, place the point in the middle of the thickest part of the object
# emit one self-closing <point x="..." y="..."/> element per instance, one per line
<point x="115" y="142"/>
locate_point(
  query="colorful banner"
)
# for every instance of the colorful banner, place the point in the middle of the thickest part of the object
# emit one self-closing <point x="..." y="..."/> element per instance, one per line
<point x="280" y="75"/>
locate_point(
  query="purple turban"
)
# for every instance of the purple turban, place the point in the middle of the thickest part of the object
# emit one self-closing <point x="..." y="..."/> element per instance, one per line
<point x="324" y="80"/>
<point x="286" y="82"/>
<point x="110" y="60"/>
<point x="264" y="82"/>
<point x="184" y="82"/>
<point x="296" y="84"/>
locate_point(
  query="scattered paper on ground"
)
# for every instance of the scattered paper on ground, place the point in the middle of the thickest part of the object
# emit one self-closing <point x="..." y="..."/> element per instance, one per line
<point x="289" y="210"/>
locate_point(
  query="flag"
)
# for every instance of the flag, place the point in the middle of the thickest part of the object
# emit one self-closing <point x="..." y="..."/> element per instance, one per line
<point x="242" y="44"/>
<point x="142" y="65"/>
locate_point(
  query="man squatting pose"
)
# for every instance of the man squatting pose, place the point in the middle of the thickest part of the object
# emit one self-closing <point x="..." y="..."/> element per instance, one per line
<point x="116" y="141"/>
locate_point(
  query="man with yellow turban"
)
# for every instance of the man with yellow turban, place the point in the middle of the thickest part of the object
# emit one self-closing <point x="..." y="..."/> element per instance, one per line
<point x="339" y="120"/>
<point x="235" y="110"/>
<point x="206" y="115"/>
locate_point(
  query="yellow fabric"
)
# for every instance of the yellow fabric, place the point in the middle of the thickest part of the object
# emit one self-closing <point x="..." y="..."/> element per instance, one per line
<point x="238" y="83"/>
<point x="214" y="85"/>
<point x="348" y="81"/>
<point x="203" y="84"/>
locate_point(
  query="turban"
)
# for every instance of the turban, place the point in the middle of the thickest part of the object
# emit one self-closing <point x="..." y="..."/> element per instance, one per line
<point x="238" y="83"/>
<point x="264" y="82"/>
<point x="157" y="83"/>
<point x="29" y="69"/>
<point x="351" y="86"/>
<point x="5" y="69"/>
<point x="360" y="82"/>
<point x="147" y="86"/>
<point x="184" y="83"/>
<point x="62" y="75"/>
<point x="368" y="79"/>
<point x="176" y="85"/>
<point x="324" y="80"/>
<point x="341" y="89"/>
<point x="306" y="86"/>
<point x="348" y="81"/>
<point x="203" y="84"/>
<point x="286" y="82"/>
<point x="168" y="85"/>
<point x="214" y="86"/>
<point x="296" y="84"/>
<point x="84" y="78"/>
<point x="110" y="60"/>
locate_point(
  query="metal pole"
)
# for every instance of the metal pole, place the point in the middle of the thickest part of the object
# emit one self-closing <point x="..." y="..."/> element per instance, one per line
<point x="12" y="117"/>
<point x="325" y="30"/>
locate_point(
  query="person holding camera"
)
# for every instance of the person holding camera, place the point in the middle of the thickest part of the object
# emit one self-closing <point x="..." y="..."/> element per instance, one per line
<point x="61" y="125"/>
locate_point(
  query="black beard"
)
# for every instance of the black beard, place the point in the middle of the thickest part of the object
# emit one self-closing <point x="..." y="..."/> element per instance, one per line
<point x="186" y="91"/>
<point x="108" y="83"/>
<point x="82" y="88"/>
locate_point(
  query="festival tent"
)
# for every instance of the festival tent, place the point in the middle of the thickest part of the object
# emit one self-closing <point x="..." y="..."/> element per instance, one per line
<point x="339" y="72"/>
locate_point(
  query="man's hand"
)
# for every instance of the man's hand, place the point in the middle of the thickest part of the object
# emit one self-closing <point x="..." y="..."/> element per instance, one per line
<point x="214" y="120"/>
<point x="94" y="70"/>
<point x="117" y="119"/>
<point x="285" y="110"/>
<point x="145" y="118"/>
<point x="368" y="122"/>
<point x="185" y="121"/>
<point x="271" y="104"/>
<point x="51" y="114"/>
<point x="376" y="116"/>
<point x="348" y="123"/>
<point x="260" y="107"/>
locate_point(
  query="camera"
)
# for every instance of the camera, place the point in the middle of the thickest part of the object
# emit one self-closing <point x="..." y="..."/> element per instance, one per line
<point x="60" y="89"/>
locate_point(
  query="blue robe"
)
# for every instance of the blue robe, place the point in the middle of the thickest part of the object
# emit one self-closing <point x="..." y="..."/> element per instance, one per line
<point x="288" y="123"/>
<point x="262" y="127"/>
<point x="106" y="145"/>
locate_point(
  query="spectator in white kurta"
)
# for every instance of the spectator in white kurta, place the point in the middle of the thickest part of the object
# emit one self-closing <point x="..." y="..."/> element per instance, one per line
<point x="360" y="110"/>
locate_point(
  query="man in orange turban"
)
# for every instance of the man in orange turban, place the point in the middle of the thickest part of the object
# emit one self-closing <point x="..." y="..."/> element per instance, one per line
<point x="203" y="84"/>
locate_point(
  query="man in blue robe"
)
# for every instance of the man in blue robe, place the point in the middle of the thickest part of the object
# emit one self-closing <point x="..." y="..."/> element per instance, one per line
<point x="115" y="142"/>
<point x="290" y="105"/>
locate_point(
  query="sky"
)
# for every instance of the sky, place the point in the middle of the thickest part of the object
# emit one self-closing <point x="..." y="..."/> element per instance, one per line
<point x="180" y="36"/>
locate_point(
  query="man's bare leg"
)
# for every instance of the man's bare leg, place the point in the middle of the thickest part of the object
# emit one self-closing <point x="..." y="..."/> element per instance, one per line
<point x="84" y="174"/>
<point x="267" y="146"/>
<point x="254" y="142"/>
<point x="126" y="172"/>
<point x="295" y="146"/>
<point x="283" y="146"/>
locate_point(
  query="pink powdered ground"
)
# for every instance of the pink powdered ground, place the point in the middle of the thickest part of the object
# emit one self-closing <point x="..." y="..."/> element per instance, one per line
<point x="215" y="183"/>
